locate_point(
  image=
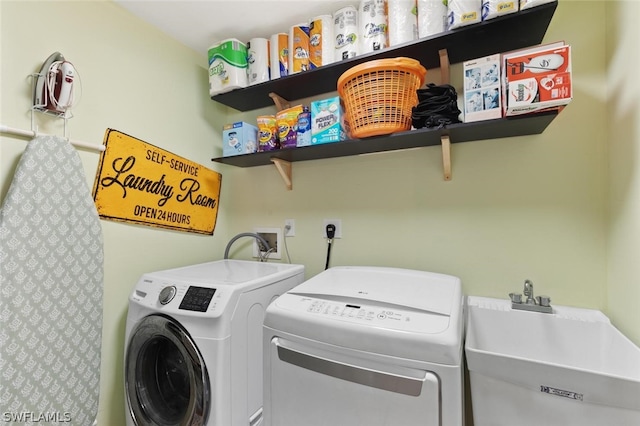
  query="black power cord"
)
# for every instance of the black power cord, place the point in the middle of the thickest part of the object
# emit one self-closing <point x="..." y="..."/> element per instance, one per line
<point x="437" y="107"/>
<point x="331" y="232"/>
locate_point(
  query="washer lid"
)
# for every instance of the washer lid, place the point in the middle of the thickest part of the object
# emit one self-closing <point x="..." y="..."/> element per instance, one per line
<point x="418" y="290"/>
<point x="390" y="311"/>
<point x="229" y="272"/>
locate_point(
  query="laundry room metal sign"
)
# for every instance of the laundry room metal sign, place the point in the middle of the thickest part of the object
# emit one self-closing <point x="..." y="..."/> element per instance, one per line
<point x="140" y="183"/>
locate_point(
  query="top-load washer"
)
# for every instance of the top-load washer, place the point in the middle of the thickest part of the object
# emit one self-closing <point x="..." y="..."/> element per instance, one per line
<point x="193" y="349"/>
<point x="366" y="346"/>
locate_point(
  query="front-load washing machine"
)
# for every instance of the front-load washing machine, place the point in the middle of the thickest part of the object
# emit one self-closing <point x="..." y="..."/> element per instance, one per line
<point x="193" y="349"/>
<point x="366" y="346"/>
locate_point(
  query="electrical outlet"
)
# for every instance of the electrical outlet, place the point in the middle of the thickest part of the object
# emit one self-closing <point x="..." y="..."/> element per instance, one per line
<point x="338" y="225"/>
<point x="273" y="236"/>
<point x="291" y="232"/>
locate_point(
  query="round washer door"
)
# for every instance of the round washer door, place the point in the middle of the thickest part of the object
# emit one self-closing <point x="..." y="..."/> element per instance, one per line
<point x="166" y="380"/>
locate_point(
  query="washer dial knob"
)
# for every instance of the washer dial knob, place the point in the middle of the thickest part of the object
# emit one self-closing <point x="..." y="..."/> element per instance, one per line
<point x="167" y="294"/>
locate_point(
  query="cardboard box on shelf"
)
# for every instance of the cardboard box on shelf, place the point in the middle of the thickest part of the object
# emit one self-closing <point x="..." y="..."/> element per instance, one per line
<point x="327" y="121"/>
<point x="537" y="78"/>
<point x="239" y="138"/>
<point x="482" y="89"/>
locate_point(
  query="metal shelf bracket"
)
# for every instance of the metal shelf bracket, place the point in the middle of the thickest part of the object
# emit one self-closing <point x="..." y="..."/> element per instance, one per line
<point x="285" y="169"/>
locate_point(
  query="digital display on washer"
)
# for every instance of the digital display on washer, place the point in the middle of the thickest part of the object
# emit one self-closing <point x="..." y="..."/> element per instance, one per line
<point x="197" y="299"/>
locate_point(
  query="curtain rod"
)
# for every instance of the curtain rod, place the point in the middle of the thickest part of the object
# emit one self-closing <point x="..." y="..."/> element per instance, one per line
<point x="32" y="134"/>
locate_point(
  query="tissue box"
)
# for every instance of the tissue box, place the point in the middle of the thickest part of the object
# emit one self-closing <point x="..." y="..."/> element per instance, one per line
<point x="482" y="93"/>
<point x="536" y="79"/>
<point x="327" y="121"/>
<point x="239" y="138"/>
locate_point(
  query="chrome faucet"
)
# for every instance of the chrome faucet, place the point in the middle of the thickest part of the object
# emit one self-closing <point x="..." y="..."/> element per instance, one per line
<point x="532" y="303"/>
<point x="262" y="244"/>
<point x="528" y="291"/>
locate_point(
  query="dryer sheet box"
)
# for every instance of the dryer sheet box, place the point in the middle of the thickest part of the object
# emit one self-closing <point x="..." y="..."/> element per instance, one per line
<point x="327" y="121"/>
<point x="537" y="79"/>
<point x="482" y="89"/>
<point x="239" y="138"/>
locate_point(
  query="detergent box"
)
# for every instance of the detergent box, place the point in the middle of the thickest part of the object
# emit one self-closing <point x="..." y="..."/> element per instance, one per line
<point x="327" y="121"/>
<point x="287" y="122"/>
<point x="537" y="78"/>
<point x="267" y="133"/>
<point x="482" y="89"/>
<point x="239" y="138"/>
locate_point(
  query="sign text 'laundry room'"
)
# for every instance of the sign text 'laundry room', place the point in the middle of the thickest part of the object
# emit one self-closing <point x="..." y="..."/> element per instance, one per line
<point x="141" y="183"/>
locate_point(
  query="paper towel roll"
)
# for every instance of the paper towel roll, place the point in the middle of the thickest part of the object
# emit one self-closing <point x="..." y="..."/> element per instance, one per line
<point x="494" y="8"/>
<point x="345" y="29"/>
<point x="526" y="4"/>
<point x="373" y="25"/>
<point x="432" y="17"/>
<point x="279" y="55"/>
<point x="403" y="21"/>
<point x="227" y="66"/>
<point x="299" y="48"/>
<point x="258" y="60"/>
<point x="463" y="12"/>
<point x="321" y="41"/>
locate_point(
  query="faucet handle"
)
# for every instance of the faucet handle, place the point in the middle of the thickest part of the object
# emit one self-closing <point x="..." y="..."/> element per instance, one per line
<point x="515" y="297"/>
<point x="544" y="300"/>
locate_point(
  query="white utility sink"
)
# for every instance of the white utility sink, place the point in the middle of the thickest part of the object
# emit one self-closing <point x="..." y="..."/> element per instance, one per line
<point x="570" y="367"/>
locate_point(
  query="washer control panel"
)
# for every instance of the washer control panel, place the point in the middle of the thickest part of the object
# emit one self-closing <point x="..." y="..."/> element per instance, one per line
<point x="391" y="317"/>
<point x="175" y="297"/>
<point x="197" y="299"/>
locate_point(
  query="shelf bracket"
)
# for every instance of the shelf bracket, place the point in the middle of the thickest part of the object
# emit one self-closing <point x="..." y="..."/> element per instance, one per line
<point x="281" y="103"/>
<point x="446" y="156"/>
<point x="444" y="66"/>
<point x="284" y="168"/>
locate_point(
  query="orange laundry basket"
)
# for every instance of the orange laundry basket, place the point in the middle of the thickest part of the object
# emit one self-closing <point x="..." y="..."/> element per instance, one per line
<point x="378" y="95"/>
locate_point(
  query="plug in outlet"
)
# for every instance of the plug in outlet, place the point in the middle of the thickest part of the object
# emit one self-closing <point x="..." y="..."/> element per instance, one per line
<point x="273" y="236"/>
<point x="291" y="231"/>
<point x="338" y="225"/>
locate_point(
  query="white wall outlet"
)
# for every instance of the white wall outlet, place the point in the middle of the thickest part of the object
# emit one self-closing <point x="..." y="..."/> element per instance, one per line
<point x="291" y="232"/>
<point x="273" y="236"/>
<point x="337" y="223"/>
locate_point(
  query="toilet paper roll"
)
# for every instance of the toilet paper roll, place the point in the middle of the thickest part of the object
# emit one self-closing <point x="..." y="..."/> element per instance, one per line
<point x="372" y="21"/>
<point x="258" y="60"/>
<point x="526" y="4"/>
<point x="345" y="30"/>
<point x="463" y="12"/>
<point x="321" y="41"/>
<point x="494" y="8"/>
<point x="279" y="55"/>
<point x="299" y="48"/>
<point x="432" y="17"/>
<point x="403" y="21"/>
<point x="227" y="66"/>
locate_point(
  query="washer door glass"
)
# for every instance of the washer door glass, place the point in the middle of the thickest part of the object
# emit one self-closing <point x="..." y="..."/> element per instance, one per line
<point x="166" y="378"/>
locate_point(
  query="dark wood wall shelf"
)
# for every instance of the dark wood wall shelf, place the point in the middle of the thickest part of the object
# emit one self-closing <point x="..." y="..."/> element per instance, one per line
<point x="509" y="32"/>
<point x="530" y="124"/>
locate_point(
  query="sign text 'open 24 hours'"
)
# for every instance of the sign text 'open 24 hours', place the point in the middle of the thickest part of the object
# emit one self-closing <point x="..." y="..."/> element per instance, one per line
<point x="140" y="183"/>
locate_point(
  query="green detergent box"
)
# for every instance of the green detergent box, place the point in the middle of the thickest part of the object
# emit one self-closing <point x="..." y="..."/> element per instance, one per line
<point x="327" y="121"/>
